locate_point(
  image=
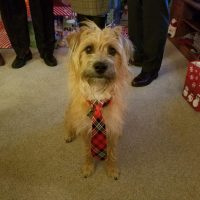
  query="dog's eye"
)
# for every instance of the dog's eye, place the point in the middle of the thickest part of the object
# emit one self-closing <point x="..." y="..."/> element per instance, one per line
<point x="89" y="49"/>
<point x="111" y="51"/>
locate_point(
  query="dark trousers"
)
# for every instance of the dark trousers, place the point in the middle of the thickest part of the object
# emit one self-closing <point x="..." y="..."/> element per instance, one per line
<point x="148" y="25"/>
<point x="14" y="16"/>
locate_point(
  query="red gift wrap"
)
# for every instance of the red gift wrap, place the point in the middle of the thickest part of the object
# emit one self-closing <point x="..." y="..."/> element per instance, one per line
<point x="191" y="90"/>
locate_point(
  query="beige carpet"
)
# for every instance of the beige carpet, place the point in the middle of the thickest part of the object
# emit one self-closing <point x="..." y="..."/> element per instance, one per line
<point x="159" y="151"/>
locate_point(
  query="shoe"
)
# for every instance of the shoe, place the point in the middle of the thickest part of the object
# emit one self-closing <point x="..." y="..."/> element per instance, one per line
<point x="144" y="78"/>
<point x="49" y="60"/>
<point x="20" y="62"/>
<point x="2" y="62"/>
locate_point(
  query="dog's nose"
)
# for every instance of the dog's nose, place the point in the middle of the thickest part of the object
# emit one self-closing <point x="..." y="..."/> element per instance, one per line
<point x="100" y="67"/>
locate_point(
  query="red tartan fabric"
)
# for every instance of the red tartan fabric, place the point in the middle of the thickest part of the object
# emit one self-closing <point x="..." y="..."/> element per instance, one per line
<point x="98" y="135"/>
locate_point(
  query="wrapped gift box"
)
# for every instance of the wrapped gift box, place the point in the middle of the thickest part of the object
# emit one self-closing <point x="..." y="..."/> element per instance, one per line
<point x="191" y="91"/>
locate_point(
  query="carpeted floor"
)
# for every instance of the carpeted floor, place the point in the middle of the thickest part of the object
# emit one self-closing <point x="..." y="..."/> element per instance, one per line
<point x="159" y="151"/>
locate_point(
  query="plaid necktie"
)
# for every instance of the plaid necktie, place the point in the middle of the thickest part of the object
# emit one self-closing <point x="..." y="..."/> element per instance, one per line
<point x="98" y="137"/>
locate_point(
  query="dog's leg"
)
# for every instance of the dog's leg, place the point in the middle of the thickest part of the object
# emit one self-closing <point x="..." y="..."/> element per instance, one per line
<point x="88" y="166"/>
<point x="69" y="131"/>
<point x="111" y="162"/>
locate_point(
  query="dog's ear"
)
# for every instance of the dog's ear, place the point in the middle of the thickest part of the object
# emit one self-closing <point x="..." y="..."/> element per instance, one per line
<point x="127" y="44"/>
<point x="73" y="40"/>
<point x="117" y="30"/>
<point x="128" y="47"/>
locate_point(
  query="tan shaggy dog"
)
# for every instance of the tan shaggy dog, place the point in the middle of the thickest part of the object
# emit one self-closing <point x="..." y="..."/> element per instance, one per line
<point x="98" y="70"/>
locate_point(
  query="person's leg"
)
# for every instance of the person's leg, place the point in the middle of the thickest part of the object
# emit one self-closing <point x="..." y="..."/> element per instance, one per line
<point x="43" y="24"/>
<point x="135" y="28"/>
<point x="38" y="24"/>
<point x="2" y="61"/>
<point x="155" y="26"/>
<point x="14" y="17"/>
<point x="48" y="16"/>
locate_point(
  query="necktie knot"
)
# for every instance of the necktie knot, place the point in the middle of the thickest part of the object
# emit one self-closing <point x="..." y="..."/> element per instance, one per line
<point x="96" y="107"/>
<point x="98" y="110"/>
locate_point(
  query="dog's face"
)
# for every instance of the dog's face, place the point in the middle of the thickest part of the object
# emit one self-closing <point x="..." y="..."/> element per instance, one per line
<point x="99" y="58"/>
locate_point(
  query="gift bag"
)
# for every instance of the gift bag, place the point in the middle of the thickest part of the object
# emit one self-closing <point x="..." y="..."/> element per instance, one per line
<point x="191" y="90"/>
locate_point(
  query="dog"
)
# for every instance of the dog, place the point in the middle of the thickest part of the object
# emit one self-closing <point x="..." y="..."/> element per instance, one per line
<point x="97" y="72"/>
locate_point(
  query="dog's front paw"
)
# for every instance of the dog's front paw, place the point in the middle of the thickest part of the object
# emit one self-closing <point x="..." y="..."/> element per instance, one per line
<point x="88" y="170"/>
<point x="113" y="171"/>
<point x="69" y="137"/>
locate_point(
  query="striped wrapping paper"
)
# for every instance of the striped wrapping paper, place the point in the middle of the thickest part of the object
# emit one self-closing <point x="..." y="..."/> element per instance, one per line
<point x="4" y="41"/>
<point x="63" y="10"/>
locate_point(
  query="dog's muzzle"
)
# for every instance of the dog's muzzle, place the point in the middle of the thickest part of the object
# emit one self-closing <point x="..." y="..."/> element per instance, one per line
<point x="100" y="70"/>
<point x="100" y="67"/>
<point x="103" y="70"/>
